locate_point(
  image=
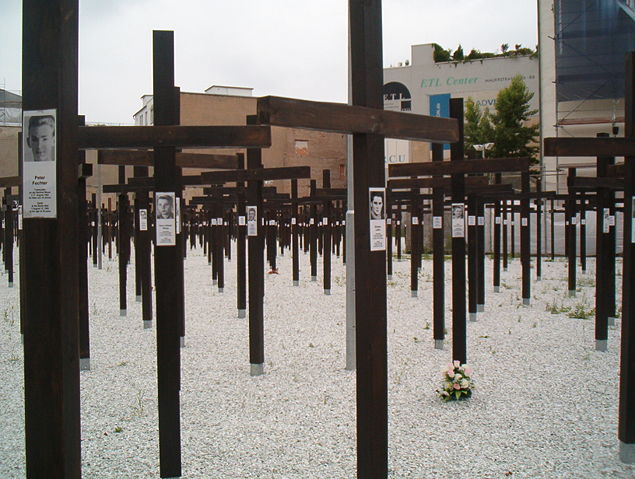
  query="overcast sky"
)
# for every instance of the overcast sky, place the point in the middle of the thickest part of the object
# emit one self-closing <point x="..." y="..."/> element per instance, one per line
<point x="293" y="48"/>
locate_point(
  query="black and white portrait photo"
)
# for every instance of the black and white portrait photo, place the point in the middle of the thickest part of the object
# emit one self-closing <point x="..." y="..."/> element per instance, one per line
<point x="40" y="138"/>
<point x="377" y="207"/>
<point x="252" y="221"/>
<point x="165" y="224"/>
<point x="39" y="163"/>
<point x="165" y="207"/>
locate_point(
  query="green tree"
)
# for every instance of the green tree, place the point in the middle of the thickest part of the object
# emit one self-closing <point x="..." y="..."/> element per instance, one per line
<point x="513" y="137"/>
<point x="441" y="54"/>
<point x="458" y="54"/>
<point x="478" y="128"/>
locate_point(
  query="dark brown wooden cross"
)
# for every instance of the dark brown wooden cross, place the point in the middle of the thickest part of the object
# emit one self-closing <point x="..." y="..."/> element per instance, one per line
<point x="609" y="147"/>
<point x="454" y="168"/>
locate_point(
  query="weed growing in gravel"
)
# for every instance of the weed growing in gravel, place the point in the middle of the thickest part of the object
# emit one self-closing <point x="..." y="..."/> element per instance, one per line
<point x="582" y="310"/>
<point x="586" y="281"/>
<point x="118" y="429"/>
<point x="555" y="308"/>
<point x="8" y="315"/>
<point x="138" y="409"/>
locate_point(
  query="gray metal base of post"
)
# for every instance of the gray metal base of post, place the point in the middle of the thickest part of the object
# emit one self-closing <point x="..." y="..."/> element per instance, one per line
<point x="313" y="278"/>
<point x="138" y="299"/>
<point x="612" y="321"/>
<point x="214" y="282"/>
<point x="147" y="325"/>
<point x="327" y="292"/>
<point x="526" y="301"/>
<point x="242" y="313"/>
<point x="601" y="345"/>
<point x="389" y="277"/>
<point x="10" y="285"/>
<point x="414" y="294"/>
<point x="438" y="344"/>
<point x="473" y="317"/>
<point x="480" y="308"/>
<point x="538" y="278"/>
<point x="182" y="341"/>
<point x="296" y="283"/>
<point x="84" y="364"/>
<point x="257" y="369"/>
<point x="497" y="289"/>
<point x="627" y="452"/>
<point x="220" y="290"/>
<point x="122" y="312"/>
<point x="572" y="293"/>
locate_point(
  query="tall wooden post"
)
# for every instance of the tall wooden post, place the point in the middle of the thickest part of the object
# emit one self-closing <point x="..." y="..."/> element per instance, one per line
<point x="51" y="349"/>
<point x="438" y="260"/>
<point x="480" y="254"/>
<point x="256" y="266"/>
<point x="525" y="238"/>
<point x="626" y="431"/>
<point x="82" y="259"/>
<point x="571" y="235"/>
<point x="241" y="237"/>
<point x="602" y="257"/>
<point x="498" y="217"/>
<point x="459" y="328"/>
<point x="166" y="262"/>
<point x="124" y="243"/>
<point x="539" y="202"/>
<point x="370" y="266"/>
<point x="313" y="234"/>
<point x="8" y="236"/>
<point x="295" y="248"/>
<point x="472" y="253"/>
<point x="583" y="231"/>
<point x="505" y="219"/>
<point x="415" y="241"/>
<point x="326" y="231"/>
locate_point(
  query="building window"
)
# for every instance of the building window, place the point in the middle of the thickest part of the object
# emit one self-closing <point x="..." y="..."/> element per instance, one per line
<point x="301" y="147"/>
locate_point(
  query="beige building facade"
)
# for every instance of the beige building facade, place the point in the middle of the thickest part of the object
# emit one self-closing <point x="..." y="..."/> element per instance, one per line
<point x="224" y="105"/>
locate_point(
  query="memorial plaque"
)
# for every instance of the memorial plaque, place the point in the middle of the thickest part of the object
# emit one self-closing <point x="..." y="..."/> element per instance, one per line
<point x="377" y="215"/>
<point x="165" y="221"/>
<point x="39" y="164"/>
<point x="458" y="220"/>
<point x="252" y="221"/>
<point x="143" y="220"/>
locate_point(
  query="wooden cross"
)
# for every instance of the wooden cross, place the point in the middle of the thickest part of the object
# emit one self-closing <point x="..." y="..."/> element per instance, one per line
<point x="608" y="147"/>
<point x="457" y="168"/>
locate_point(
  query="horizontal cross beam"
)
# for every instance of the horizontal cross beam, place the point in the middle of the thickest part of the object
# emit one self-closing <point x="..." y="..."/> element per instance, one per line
<point x="592" y="183"/>
<point x="9" y="181"/>
<point x="183" y="160"/>
<point x="434" y="182"/>
<point x="285" y="173"/>
<point x="490" y="165"/>
<point x="590" y="146"/>
<point x="342" y="118"/>
<point x="116" y="137"/>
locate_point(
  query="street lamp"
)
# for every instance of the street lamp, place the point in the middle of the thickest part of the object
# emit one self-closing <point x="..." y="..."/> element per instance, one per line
<point x="484" y="147"/>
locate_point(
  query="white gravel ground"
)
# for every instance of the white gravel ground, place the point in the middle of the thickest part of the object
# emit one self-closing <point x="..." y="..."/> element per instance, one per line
<point x="545" y="404"/>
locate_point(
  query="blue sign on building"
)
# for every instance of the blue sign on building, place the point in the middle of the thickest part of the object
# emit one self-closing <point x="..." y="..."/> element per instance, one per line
<point x="440" y="106"/>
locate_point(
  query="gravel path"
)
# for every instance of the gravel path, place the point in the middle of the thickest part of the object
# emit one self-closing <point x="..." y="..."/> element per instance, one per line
<point x="545" y="404"/>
